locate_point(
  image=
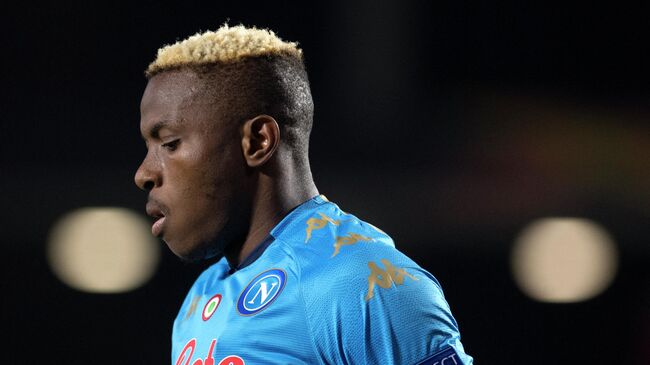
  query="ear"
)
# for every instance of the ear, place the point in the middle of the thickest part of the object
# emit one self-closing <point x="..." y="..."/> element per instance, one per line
<point x="260" y="139"/>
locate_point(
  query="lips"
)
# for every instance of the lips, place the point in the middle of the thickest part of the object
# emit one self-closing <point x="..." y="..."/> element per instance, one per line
<point x="155" y="210"/>
<point x="157" y="226"/>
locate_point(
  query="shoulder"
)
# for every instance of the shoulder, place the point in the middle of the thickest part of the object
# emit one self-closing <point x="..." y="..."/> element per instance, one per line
<point x="360" y="291"/>
<point x="348" y="259"/>
<point x="327" y="231"/>
<point x="327" y="241"/>
<point x="354" y="261"/>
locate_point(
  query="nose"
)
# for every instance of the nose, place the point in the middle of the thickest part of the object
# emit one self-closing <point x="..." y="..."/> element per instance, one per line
<point x="147" y="176"/>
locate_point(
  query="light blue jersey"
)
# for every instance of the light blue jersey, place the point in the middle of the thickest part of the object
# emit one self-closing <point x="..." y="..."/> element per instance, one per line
<point x="324" y="288"/>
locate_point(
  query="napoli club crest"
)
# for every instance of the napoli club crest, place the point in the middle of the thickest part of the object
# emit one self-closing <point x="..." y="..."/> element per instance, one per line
<point x="261" y="292"/>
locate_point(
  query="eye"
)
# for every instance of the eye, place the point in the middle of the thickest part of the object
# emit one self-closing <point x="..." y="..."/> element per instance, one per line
<point x="171" y="145"/>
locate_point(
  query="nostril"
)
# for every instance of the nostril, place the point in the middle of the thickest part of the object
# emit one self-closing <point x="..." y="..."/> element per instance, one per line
<point x="148" y="185"/>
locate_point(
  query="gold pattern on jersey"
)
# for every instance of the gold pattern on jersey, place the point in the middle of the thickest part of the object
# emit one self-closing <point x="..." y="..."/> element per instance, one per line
<point x="385" y="278"/>
<point x="350" y="239"/>
<point x="195" y="302"/>
<point x="318" y="223"/>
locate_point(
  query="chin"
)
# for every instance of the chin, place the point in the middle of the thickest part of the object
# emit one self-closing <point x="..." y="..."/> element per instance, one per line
<point x="189" y="252"/>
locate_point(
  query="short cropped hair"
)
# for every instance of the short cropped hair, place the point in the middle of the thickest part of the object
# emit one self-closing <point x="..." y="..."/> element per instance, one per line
<point x="249" y="72"/>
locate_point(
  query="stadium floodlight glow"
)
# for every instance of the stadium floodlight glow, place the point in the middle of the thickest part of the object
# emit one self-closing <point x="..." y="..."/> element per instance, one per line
<point x="564" y="260"/>
<point x="103" y="250"/>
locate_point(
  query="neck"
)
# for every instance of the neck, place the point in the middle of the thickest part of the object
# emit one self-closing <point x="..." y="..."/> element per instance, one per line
<point x="272" y="201"/>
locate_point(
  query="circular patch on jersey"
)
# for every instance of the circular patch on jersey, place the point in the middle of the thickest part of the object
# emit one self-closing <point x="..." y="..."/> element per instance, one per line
<point x="211" y="307"/>
<point x="261" y="292"/>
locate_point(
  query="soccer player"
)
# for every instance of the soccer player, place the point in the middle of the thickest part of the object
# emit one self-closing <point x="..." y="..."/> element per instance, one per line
<point x="226" y="118"/>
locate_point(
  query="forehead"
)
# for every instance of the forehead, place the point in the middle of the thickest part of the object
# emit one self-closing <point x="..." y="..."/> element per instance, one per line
<point x="181" y="96"/>
<point x="171" y="89"/>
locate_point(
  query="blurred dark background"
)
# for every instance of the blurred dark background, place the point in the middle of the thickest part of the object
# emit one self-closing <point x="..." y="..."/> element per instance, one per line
<point x="450" y="125"/>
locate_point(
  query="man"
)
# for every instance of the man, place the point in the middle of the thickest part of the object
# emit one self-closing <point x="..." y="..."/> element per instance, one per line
<point x="226" y="118"/>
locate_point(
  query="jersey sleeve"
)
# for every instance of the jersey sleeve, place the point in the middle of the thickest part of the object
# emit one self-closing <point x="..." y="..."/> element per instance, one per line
<point x="373" y="305"/>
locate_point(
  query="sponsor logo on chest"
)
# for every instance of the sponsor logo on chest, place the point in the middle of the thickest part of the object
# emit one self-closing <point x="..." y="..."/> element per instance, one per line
<point x="186" y="357"/>
<point x="261" y="292"/>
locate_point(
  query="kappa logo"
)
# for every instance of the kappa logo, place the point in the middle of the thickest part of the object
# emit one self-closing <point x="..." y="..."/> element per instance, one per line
<point x="385" y="278"/>
<point x="261" y="292"/>
<point x="350" y="239"/>
<point x="318" y="223"/>
<point x="211" y="307"/>
<point x="192" y="309"/>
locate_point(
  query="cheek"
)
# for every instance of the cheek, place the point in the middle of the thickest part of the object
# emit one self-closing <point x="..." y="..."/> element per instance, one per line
<point x="226" y="164"/>
<point x="217" y="175"/>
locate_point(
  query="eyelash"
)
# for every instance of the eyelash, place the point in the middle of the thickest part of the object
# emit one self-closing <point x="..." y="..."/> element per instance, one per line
<point x="172" y="145"/>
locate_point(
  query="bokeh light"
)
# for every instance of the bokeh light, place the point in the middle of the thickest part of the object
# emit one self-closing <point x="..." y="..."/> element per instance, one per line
<point x="103" y="250"/>
<point x="564" y="260"/>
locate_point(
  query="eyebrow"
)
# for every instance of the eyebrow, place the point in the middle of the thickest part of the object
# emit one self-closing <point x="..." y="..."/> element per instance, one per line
<point x="155" y="129"/>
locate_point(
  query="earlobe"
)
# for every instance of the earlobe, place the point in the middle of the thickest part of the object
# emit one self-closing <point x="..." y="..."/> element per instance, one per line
<point x="260" y="139"/>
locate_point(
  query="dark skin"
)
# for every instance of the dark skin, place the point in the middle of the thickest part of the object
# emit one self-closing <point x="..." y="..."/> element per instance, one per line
<point x="216" y="187"/>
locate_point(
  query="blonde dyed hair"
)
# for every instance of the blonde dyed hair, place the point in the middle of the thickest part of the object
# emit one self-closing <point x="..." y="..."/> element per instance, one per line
<point x="225" y="45"/>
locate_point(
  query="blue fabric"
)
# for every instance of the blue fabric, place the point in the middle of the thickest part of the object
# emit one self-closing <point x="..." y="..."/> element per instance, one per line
<point x="327" y="288"/>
